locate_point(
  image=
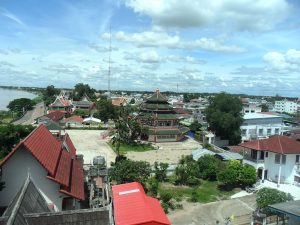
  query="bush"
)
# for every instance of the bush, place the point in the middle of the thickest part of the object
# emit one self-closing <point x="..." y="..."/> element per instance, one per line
<point x="269" y="196"/>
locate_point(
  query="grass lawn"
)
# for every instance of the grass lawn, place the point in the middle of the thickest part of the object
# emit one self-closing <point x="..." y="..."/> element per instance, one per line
<point x="207" y="191"/>
<point x="132" y="148"/>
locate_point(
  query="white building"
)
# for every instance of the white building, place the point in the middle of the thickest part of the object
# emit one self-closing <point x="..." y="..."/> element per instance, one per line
<point x="251" y="108"/>
<point x="260" y="125"/>
<point x="286" y="106"/>
<point x="52" y="165"/>
<point x="275" y="159"/>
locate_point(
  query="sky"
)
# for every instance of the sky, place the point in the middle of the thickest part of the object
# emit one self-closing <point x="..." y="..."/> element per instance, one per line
<point x="244" y="46"/>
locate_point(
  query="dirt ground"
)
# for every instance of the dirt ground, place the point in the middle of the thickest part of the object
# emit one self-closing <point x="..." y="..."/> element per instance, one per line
<point x="90" y="144"/>
<point x="207" y="214"/>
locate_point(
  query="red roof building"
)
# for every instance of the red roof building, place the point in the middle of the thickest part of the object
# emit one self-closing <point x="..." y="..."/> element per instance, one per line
<point x="133" y="207"/>
<point x="41" y="153"/>
<point x="276" y="158"/>
<point x="277" y="144"/>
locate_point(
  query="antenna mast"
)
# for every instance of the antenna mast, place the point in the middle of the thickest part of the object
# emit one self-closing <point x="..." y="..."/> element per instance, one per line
<point x="109" y="56"/>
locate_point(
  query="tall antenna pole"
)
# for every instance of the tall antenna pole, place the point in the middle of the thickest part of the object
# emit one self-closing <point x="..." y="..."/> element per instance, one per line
<point x="109" y="56"/>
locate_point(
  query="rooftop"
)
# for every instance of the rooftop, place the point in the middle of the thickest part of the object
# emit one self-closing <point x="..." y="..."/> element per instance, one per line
<point x="278" y="144"/>
<point x="250" y="116"/>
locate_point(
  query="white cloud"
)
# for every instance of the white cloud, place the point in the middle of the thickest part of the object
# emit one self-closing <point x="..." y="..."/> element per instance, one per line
<point x="242" y="14"/>
<point x="149" y="57"/>
<point x="4" y="12"/>
<point x="163" y="39"/>
<point x="283" y="62"/>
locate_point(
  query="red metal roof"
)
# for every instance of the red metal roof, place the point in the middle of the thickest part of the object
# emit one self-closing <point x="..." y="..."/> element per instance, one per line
<point x="277" y="144"/>
<point x="133" y="207"/>
<point x="57" y="160"/>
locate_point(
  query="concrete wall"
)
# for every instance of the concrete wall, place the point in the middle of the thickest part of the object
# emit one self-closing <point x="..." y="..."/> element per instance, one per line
<point x="287" y="169"/>
<point x="254" y="130"/>
<point x="14" y="173"/>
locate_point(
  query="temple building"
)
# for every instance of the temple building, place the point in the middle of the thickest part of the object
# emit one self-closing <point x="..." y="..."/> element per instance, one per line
<point x="160" y="119"/>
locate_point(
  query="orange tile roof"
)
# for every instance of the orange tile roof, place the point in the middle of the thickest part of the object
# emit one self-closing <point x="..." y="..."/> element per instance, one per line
<point x="60" y="163"/>
<point x="277" y="144"/>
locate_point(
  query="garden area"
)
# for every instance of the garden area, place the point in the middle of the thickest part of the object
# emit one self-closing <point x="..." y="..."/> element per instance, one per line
<point x="206" y="180"/>
<point x="136" y="147"/>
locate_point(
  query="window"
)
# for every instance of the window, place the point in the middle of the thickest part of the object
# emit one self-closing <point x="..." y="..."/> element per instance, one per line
<point x="269" y="131"/>
<point x="267" y="154"/>
<point x="297" y="158"/>
<point x="276" y="130"/>
<point x="277" y="159"/>
<point x="260" y="132"/>
<point x="244" y="131"/>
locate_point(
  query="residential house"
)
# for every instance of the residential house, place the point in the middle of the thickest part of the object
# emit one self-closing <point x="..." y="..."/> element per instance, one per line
<point x="55" y="116"/>
<point x="275" y="158"/>
<point x="73" y="121"/>
<point x="53" y="166"/>
<point x="133" y="207"/>
<point x="261" y="125"/>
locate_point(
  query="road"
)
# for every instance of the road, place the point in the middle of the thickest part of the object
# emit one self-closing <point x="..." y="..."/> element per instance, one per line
<point x="207" y="214"/>
<point x="28" y="118"/>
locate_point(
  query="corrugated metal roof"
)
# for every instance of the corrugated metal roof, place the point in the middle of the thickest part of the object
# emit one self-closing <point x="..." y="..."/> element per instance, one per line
<point x="132" y="206"/>
<point x="201" y="152"/>
<point x="230" y="156"/>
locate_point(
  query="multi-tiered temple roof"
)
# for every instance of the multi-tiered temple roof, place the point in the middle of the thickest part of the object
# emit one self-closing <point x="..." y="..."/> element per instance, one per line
<point x="161" y="119"/>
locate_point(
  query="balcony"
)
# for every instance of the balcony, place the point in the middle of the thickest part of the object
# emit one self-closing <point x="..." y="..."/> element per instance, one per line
<point x="256" y="161"/>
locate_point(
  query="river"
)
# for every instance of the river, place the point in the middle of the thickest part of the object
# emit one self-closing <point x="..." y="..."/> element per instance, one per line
<point x="7" y="95"/>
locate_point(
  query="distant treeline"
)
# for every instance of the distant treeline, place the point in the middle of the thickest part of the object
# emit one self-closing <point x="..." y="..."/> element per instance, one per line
<point x="190" y="94"/>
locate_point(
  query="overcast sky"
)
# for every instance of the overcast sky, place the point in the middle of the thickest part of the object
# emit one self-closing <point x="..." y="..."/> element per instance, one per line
<point x="238" y="46"/>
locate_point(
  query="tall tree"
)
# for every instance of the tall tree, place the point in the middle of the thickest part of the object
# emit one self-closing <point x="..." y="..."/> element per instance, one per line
<point x="20" y="105"/>
<point x="224" y="116"/>
<point x="49" y="94"/>
<point x="81" y="89"/>
<point x="105" y="110"/>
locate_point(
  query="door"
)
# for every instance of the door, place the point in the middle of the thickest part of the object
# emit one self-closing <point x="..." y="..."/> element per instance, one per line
<point x="266" y="174"/>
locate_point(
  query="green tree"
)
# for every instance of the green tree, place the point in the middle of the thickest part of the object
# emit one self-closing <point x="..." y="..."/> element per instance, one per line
<point x="160" y="170"/>
<point x="152" y="186"/>
<point x="269" y="196"/>
<point x="248" y="175"/>
<point x="186" y="172"/>
<point x="236" y="174"/>
<point x="11" y="135"/>
<point x="20" y="105"/>
<point x="49" y="94"/>
<point x="105" y="110"/>
<point x="224" y="116"/>
<point x="208" y="167"/>
<point x="128" y="129"/>
<point x="126" y="171"/>
<point x="81" y="89"/>
<point x="195" y="126"/>
<point x="230" y="174"/>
